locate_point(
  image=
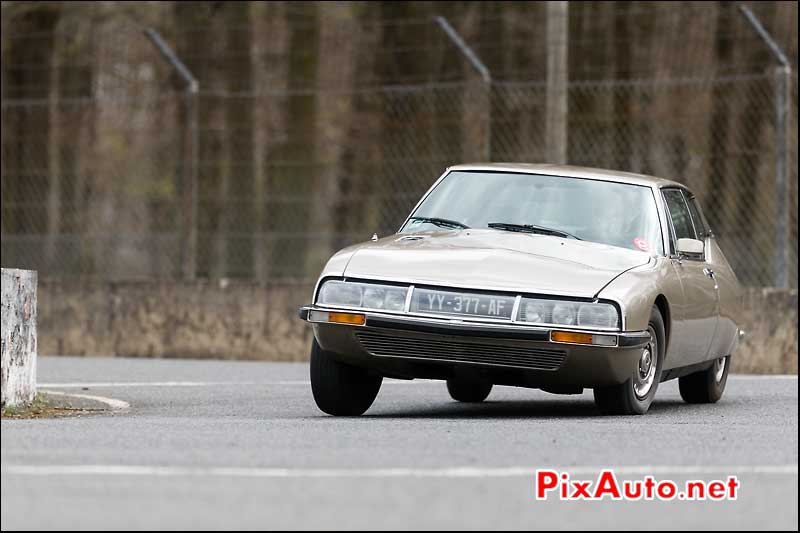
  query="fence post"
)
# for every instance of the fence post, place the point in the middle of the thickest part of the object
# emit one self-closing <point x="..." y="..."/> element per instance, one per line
<point x="557" y="77"/>
<point x="190" y="187"/>
<point x="189" y="168"/>
<point x="782" y="81"/>
<point x="486" y="76"/>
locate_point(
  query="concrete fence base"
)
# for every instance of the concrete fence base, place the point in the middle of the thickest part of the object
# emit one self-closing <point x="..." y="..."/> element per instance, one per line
<point x="18" y="336"/>
<point x="248" y="320"/>
<point x="769" y="318"/>
<point x="201" y="319"/>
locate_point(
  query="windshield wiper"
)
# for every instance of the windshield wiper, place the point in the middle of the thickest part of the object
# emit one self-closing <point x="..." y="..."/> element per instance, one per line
<point x="442" y="222"/>
<point x="531" y="228"/>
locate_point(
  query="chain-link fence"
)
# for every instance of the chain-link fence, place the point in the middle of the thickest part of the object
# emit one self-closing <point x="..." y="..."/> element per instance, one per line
<point x="92" y="187"/>
<point x="95" y="181"/>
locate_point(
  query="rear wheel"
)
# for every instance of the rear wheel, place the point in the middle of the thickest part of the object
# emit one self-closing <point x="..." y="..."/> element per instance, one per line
<point x="635" y="395"/>
<point x="707" y="385"/>
<point x="468" y="390"/>
<point x="340" y="389"/>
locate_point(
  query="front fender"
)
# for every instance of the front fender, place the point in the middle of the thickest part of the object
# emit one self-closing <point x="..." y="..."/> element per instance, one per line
<point x="637" y="290"/>
<point x="336" y="266"/>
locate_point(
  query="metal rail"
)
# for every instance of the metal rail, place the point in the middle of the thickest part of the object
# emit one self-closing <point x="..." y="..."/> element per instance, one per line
<point x="189" y="173"/>
<point x="482" y="70"/>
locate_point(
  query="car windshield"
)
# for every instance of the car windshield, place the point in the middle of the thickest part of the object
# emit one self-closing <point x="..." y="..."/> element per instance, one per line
<point x="617" y="214"/>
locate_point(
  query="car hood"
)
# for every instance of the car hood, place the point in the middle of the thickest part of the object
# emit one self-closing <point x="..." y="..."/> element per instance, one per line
<point x="493" y="259"/>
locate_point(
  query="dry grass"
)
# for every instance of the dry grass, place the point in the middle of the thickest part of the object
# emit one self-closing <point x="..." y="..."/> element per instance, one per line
<point x="44" y="406"/>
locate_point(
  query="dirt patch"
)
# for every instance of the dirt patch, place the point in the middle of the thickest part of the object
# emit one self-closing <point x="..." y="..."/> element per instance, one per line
<point x="54" y="406"/>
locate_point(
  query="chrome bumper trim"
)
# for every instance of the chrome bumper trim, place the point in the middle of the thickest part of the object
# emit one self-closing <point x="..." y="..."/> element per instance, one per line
<point x="450" y="326"/>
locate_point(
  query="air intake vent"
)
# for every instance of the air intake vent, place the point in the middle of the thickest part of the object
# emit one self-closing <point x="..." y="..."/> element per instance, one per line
<point x="441" y="348"/>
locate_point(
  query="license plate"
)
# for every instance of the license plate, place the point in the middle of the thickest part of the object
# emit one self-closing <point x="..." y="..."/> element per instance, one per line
<point x="462" y="303"/>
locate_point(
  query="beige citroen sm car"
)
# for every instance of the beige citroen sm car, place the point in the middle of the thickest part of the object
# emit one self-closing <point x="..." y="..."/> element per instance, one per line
<point x="552" y="277"/>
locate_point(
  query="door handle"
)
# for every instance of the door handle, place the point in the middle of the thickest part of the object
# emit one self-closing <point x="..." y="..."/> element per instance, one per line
<point x="710" y="273"/>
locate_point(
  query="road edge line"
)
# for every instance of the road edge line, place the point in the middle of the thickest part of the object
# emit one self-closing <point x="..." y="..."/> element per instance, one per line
<point x="114" y="404"/>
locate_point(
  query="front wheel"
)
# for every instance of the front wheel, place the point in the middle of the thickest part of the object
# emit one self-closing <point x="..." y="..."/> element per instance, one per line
<point x="635" y="395"/>
<point x="341" y="389"/>
<point x="707" y="385"/>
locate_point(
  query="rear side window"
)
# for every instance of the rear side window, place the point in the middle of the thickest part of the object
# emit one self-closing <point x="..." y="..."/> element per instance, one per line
<point x="679" y="213"/>
<point x="697" y="218"/>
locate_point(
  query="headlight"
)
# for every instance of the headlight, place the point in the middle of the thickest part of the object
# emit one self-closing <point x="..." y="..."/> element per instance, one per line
<point x="340" y="293"/>
<point x="373" y="297"/>
<point x="395" y="299"/>
<point x="564" y="314"/>
<point x="365" y="295"/>
<point x="535" y="311"/>
<point x="598" y="315"/>
<point x="559" y="312"/>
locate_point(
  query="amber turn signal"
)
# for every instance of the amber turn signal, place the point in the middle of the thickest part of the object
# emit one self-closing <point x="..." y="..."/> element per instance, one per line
<point x="571" y="336"/>
<point x="354" y="319"/>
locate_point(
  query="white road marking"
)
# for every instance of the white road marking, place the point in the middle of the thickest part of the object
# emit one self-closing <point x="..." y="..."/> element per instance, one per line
<point x="761" y="376"/>
<point x="117" y="405"/>
<point x="304" y="383"/>
<point x="113" y="384"/>
<point x="454" y="472"/>
<point x="110" y="384"/>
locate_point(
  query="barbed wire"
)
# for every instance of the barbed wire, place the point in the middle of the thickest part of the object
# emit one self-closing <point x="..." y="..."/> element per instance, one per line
<point x="291" y="169"/>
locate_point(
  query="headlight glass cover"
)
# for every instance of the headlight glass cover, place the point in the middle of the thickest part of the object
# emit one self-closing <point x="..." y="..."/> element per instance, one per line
<point x="363" y="295"/>
<point x="565" y="313"/>
<point x="543" y="311"/>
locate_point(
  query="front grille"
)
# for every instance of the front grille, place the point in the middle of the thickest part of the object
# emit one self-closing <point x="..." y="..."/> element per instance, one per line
<point x="442" y="348"/>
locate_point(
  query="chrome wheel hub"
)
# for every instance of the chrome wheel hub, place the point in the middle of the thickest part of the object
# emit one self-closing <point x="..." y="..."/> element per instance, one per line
<point x="719" y="368"/>
<point x="645" y="363"/>
<point x="646" y="373"/>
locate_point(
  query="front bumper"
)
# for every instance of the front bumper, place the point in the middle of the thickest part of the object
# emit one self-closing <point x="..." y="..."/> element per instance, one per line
<point x="410" y="346"/>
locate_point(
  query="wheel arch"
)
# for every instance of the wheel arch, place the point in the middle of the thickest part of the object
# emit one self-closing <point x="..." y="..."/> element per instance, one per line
<point x="662" y="304"/>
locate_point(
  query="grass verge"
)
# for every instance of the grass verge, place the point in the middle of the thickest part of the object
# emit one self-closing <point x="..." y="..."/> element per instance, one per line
<point x="45" y="406"/>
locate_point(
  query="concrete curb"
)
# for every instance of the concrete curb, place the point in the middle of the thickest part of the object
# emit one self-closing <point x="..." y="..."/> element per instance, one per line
<point x="111" y="403"/>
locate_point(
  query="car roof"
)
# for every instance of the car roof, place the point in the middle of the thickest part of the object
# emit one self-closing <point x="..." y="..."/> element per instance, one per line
<point x="570" y="171"/>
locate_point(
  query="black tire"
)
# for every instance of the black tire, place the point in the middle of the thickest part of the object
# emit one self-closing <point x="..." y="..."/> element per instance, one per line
<point x="341" y="389"/>
<point x="623" y="399"/>
<point x="705" y="386"/>
<point x="468" y="390"/>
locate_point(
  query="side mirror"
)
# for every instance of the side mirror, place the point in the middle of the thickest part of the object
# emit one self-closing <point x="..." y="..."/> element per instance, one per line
<point x="690" y="247"/>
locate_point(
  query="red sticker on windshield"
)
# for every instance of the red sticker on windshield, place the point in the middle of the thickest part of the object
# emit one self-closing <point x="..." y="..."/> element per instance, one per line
<point x="641" y="244"/>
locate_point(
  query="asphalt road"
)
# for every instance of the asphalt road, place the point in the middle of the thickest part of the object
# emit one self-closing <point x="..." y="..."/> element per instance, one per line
<point x="232" y="445"/>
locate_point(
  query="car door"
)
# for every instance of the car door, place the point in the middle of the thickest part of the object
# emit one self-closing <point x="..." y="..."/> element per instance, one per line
<point x="698" y="313"/>
<point x="728" y="292"/>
